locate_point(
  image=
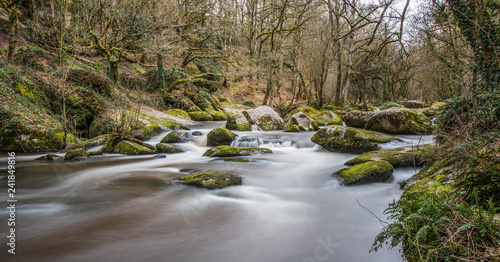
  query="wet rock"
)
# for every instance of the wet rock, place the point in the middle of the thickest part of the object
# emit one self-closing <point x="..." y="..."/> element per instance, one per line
<point x="227" y="151"/>
<point x="303" y="122"/>
<point x="131" y="148"/>
<point x="218" y="116"/>
<point x="369" y="172"/>
<point x="197" y="133"/>
<point x="76" y="155"/>
<point x="210" y="180"/>
<point x="200" y="116"/>
<point x="265" y="117"/>
<point x="322" y="117"/>
<point x="238" y="121"/>
<point x="48" y="157"/>
<point x="349" y="139"/>
<point x="220" y="136"/>
<point x="400" y="121"/>
<point x="96" y="141"/>
<point x="398" y="157"/>
<point x="292" y="128"/>
<point x="177" y="136"/>
<point x="178" y="113"/>
<point x="358" y="118"/>
<point x="167" y="148"/>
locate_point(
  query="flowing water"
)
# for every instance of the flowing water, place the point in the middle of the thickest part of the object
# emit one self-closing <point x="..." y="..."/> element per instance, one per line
<point x="125" y="208"/>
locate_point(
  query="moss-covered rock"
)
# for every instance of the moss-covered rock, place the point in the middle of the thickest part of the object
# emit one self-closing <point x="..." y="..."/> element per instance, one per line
<point x="36" y="142"/>
<point x="358" y="118"/>
<point x="131" y="148"/>
<point x="220" y="136"/>
<point x="349" y="139"/>
<point x="436" y="176"/>
<point x="200" y="116"/>
<point x="238" y="121"/>
<point x="369" y="172"/>
<point x="149" y="116"/>
<point x="224" y="99"/>
<point x="398" y="157"/>
<point x="218" y="116"/>
<point x="292" y="128"/>
<point x="412" y="104"/>
<point x="303" y="122"/>
<point x="265" y="117"/>
<point x="177" y="136"/>
<point x="322" y="117"/>
<point x="178" y="113"/>
<point x="96" y="141"/>
<point x="147" y="131"/>
<point x="400" y="121"/>
<point x="227" y="151"/>
<point x="428" y="111"/>
<point x="167" y="148"/>
<point x="76" y="155"/>
<point x="48" y="157"/>
<point x="210" y="180"/>
<point x="438" y="106"/>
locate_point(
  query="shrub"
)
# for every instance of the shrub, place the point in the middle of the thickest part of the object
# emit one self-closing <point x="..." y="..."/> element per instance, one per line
<point x="249" y="103"/>
<point x="88" y="78"/>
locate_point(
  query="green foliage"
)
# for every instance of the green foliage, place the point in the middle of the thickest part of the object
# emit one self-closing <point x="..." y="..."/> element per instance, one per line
<point x="440" y="227"/>
<point x="98" y="66"/>
<point x="249" y="103"/>
<point x="31" y="56"/>
<point x="88" y="78"/>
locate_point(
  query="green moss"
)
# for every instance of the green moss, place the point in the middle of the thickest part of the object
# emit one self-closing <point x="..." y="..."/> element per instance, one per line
<point x="177" y="136"/>
<point x="322" y="118"/>
<point x="167" y="148"/>
<point x="131" y="148"/>
<point x="434" y="177"/>
<point x="76" y="155"/>
<point x="178" y="113"/>
<point x="48" y="157"/>
<point x="400" y="121"/>
<point x="170" y="124"/>
<point x="227" y="151"/>
<point x="211" y="180"/>
<point x="218" y="116"/>
<point x="369" y="172"/>
<point x="147" y="131"/>
<point x="292" y="128"/>
<point x="224" y="99"/>
<point x="200" y="116"/>
<point x="397" y="157"/>
<point x="220" y="136"/>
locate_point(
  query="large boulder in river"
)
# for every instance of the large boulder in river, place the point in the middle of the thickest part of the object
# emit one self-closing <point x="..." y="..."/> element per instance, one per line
<point x="220" y="136"/>
<point x="200" y="116"/>
<point x="238" y="121"/>
<point x="76" y="155"/>
<point x="398" y="157"/>
<point x="369" y="172"/>
<point x="177" y="136"/>
<point x="167" y="148"/>
<point x="227" y="151"/>
<point x="210" y="180"/>
<point x="349" y="139"/>
<point x="322" y="117"/>
<point x="303" y="122"/>
<point x="358" y="118"/>
<point x="132" y="148"/>
<point x="265" y="117"/>
<point x="400" y="121"/>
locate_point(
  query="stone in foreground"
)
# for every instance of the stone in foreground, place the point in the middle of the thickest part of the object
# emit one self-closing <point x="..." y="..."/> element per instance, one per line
<point x="226" y="151"/>
<point x="210" y="180"/>
<point x="220" y="136"/>
<point x="349" y="139"/>
<point x="398" y="157"/>
<point x="369" y="172"/>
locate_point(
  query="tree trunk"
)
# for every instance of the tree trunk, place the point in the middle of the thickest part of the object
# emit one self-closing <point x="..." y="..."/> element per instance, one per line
<point x="12" y="27"/>
<point x="161" y="71"/>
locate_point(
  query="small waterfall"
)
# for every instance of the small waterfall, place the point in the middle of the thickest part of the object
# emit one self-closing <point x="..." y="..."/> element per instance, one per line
<point x="247" y="141"/>
<point x="255" y="128"/>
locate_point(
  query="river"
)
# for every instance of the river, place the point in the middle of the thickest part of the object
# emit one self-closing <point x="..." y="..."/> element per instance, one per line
<point x="125" y="208"/>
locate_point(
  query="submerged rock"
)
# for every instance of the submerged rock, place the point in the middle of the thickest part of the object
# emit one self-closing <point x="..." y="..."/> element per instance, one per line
<point x="226" y="151"/>
<point x="197" y="133"/>
<point x="76" y="155"/>
<point x="210" y="180"/>
<point x="200" y="116"/>
<point x="220" y="136"/>
<point x="177" y="136"/>
<point x="167" y="148"/>
<point x="398" y="157"/>
<point x="369" y="172"/>
<point x="400" y="121"/>
<point x="265" y="117"/>
<point x="349" y="139"/>
<point x="358" y="118"/>
<point x="303" y="122"/>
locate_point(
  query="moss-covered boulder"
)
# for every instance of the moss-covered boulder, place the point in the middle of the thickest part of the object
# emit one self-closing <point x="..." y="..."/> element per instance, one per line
<point x="438" y="106"/>
<point x="146" y="131"/>
<point x="238" y="121"/>
<point x="218" y="116"/>
<point x="437" y="176"/>
<point x="220" y="136"/>
<point x="322" y="117"/>
<point x="200" y="116"/>
<point x="96" y="141"/>
<point x="147" y="116"/>
<point x="369" y="172"/>
<point x="177" y="136"/>
<point x="48" y="157"/>
<point x="303" y="122"/>
<point x="167" y="148"/>
<point x="292" y="128"/>
<point x="131" y="148"/>
<point x="412" y="104"/>
<point x="400" y="121"/>
<point x="178" y="113"/>
<point x="76" y="155"/>
<point x="227" y="151"/>
<point x="398" y="157"/>
<point x="210" y="180"/>
<point x="358" y="118"/>
<point x="36" y="142"/>
<point x="265" y="117"/>
<point x="349" y="139"/>
<point x="428" y="111"/>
